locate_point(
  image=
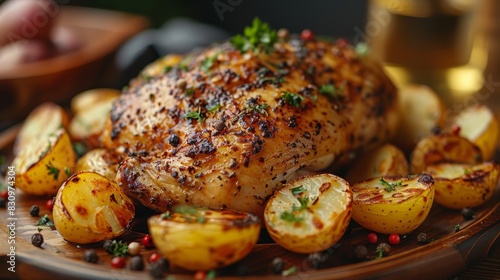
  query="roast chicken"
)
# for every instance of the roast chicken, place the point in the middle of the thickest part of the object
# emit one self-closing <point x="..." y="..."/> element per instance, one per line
<point x="222" y="128"/>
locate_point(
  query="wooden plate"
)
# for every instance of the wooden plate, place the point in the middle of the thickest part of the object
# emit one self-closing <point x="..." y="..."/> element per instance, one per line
<point x="450" y="253"/>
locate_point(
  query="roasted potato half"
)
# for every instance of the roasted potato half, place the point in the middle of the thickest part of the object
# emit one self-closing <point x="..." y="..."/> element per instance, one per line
<point x="87" y="99"/>
<point x="92" y="111"/>
<point x="309" y="214"/>
<point x="444" y="148"/>
<point x="480" y="125"/>
<point x="420" y="110"/>
<point x="90" y="208"/>
<point x="201" y="239"/>
<point x="162" y="65"/>
<point x="393" y="204"/>
<point x="45" y="119"/>
<point x="45" y="163"/>
<point x="463" y="185"/>
<point x="101" y="161"/>
<point x="385" y="160"/>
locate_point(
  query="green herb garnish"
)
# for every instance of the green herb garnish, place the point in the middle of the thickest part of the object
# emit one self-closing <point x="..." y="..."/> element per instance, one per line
<point x="45" y="151"/>
<point x="118" y="248"/>
<point x="39" y="229"/>
<point x="208" y="62"/>
<point x="215" y="108"/>
<point x="189" y="92"/>
<point x="457" y="227"/>
<point x="290" y="216"/>
<point x="298" y="190"/>
<point x="330" y="89"/>
<point x="80" y="148"/>
<point x="53" y="170"/>
<point x="190" y="214"/>
<point x="274" y="81"/>
<point x="362" y="49"/>
<point x="257" y="37"/>
<point x="292" y="98"/>
<point x="254" y="106"/>
<point x="165" y="215"/>
<point x="389" y="187"/>
<point x="67" y="171"/>
<point x="167" y="69"/>
<point x="195" y="116"/>
<point x="289" y="271"/>
<point x="45" y="221"/>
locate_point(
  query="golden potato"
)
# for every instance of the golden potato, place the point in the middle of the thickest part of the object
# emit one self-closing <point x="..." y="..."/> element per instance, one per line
<point x="45" y="163"/>
<point x="101" y="161"/>
<point x="309" y="214"/>
<point x="161" y="65"/>
<point x="201" y="239"/>
<point x="385" y="160"/>
<point x="480" y="125"/>
<point x="393" y="204"/>
<point x="464" y="185"/>
<point x="90" y="208"/>
<point x="420" y="110"/>
<point x="45" y="119"/>
<point x="87" y="99"/>
<point x="444" y="148"/>
<point x="92" y="110"/>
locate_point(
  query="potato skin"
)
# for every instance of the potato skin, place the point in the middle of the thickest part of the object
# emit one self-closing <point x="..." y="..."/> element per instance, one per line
<point x="386" y="160"/>
<point x="89" y="208"/>
<point x="101" y="161"/>
<point x="223" y="238"/>
<point x="400" y="211"/>
<point x="324" y="221"/>
<point x="45" y="163"/>
<point x="444" y="148"/>
<point x="460" y="185"/>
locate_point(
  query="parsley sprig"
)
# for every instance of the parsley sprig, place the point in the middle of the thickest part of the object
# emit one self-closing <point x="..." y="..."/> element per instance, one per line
<point x="208" y="62"/>
<point x="330" y="90"/>
<point x="118" y="248"/>
<point x="45" y="221"/>
<point x="53" y="170"/>
<point x="293" y="215"/>
<point x="188" y="213"/>
<point x="195" y="115"/>
<point x="389" y="187"/>
<point x="292" y="99"/>
<point x="259" y="36"/>
<point x="251" y="106"/>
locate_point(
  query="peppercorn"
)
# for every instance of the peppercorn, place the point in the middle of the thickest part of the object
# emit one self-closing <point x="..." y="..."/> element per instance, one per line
<point x="422" y="238"/>
<point x="37" y="239"/>
<point x="468" y="213"/>
<point x="108" y="246"/>
<point x="3" y="202"/>
<point x="90" y="256"/>
<point x="34" y="210"/>
<point x="359" y="252"/>
<point x="384" y="249"/>
<point x="134" y="248"/>
<point x="277" y="265"/>
<point x="156" y="270"/>
<point x="436" y="130"/>
<point x="136" y="263"/>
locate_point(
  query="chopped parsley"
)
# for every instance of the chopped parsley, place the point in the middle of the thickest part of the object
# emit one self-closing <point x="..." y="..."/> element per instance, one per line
<point x="292" y="98"/>
<point x="165" y="215"/>
<point x="189" y="213"/>
<point x="467" y="171"/>
<point x="290" y="216"/>
<point x="362" y="49"/>
<point x="167" y="69"/>
<point x="252" y="105"/>
<point x="53" y="170"/>
<point x="272" y="80"/>
<point x="289" y="271"/>
<point x="257" y="37"/>
<point x="457" y="227"/>
<point x="208" y="62"/>
<point x="189" y="92"/>
<point x="118" y="248"/>
<point x="389" y="187"/>
<point x="298" y="190"/>
<point x="80" y="148"/>
<point x="195" y="116"/>
<point x="45" y="151"/>
<point x="45" y="221"/>
<point x="67" y="171"/>
<point x="215" y="108"/>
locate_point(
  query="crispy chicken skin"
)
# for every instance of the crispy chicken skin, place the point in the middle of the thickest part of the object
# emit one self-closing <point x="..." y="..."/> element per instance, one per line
<point x="222" y="129"/>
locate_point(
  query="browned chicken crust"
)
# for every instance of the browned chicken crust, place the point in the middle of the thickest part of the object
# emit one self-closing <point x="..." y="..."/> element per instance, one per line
<point x="222" y="129"/>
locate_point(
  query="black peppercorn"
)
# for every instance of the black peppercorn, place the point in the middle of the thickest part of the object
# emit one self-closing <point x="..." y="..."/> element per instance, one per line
<point x="359" y="252"/>
<point x="156" y="271"/>
<point x="277" y="265"/>
<point x="422" y="238"/>
<point x="108" y="246"/>
<point x="468" y="213"/>
<point x="3" y="202"/>
<point x="34" y="210"/>
<point x="90" y="256"/>
<point x="136" y="263"/>
<point x="37" y="239"/>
